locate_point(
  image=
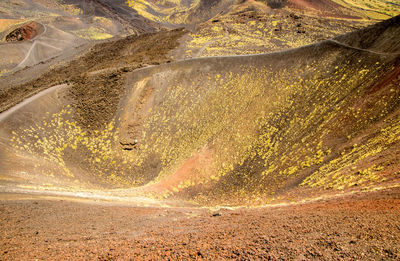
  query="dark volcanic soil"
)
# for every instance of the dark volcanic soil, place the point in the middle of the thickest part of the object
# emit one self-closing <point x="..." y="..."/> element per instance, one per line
<point x="364" y="226"/>
<point x="95" y="95"/>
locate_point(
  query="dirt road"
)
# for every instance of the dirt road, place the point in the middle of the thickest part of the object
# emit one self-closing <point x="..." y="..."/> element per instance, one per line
<point x="5" y="114"/>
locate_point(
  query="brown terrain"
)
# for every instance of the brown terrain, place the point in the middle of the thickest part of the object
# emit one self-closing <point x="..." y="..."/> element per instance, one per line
<point x="323" y="7"/>
<point x="361" y="226"/>
<point x="199" y="130"/>
<point x="102" y="66"/>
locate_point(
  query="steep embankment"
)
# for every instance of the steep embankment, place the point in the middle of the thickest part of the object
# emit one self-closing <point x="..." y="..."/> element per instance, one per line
<point x="249" y="129"/>
<point x="237" y="130"/>
<point x="96" y="80"/>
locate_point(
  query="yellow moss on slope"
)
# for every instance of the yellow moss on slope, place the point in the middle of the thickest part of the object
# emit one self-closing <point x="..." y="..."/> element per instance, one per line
<point x="373" y="9"/>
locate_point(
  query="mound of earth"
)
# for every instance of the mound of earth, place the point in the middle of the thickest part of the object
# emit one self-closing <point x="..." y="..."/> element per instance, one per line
<point x="252" y="27"/>
<point x="25" y="32"/>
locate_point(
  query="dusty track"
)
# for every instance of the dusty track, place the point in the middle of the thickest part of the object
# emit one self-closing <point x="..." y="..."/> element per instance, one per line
<point x="7" y="113"/>
<point x="32" y="47"/>
<point x="34" y="55"/>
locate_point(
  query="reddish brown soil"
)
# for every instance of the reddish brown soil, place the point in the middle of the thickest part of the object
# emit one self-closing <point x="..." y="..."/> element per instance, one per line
<point x="189" y="170"/>
<point x="322" y="7"/>
<point x="361" y="226"/>
<point x="26" y="32"/>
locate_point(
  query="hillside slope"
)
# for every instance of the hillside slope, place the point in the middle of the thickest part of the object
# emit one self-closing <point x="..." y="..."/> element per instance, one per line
<point x="234" y="130"/>
<point x="252" y="128"/>
<point x="35" y="33"/>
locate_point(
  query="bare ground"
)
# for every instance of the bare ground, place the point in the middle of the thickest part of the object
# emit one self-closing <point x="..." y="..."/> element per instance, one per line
<point x="362" y="226"/>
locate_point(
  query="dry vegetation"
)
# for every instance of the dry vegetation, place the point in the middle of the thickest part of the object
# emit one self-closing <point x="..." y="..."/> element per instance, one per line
<point x="372" y="9"/>
<point x="252" y="30"/>
<point x="227" y="134"/>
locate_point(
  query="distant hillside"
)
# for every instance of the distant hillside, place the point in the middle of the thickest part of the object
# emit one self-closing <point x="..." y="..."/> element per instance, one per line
<point x="180" y="13"/>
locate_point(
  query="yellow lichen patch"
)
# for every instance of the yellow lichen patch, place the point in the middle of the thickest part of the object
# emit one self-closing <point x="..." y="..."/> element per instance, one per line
<point x="93" y="33"/>
<point x="3" y="72"/>
<point x="142" y="6"/>
<point x="373" y="9"/>
<point x="72" y="9"/>
<point x="341" y="172"/>
<point x="61" y="141"/>
<point x="266" y="34"/>
<point x="174" y="12"/>
<point x="104" y="22"/>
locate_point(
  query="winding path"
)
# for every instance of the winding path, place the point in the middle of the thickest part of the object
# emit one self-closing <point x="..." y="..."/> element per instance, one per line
<point x="36" y="41"/>
<point x="32" y="46"/>
<point x="359" y="49"/>
<point x="5" y="114"/>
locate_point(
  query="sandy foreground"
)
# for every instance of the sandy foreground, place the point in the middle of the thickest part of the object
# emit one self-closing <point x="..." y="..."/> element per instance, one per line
<point x="360" y="226"/>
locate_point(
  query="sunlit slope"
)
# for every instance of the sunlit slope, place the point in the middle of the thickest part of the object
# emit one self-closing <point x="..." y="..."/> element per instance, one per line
<point x="372" y="9"/>
<point x="246" y="128"/>
<point x="232" y="130"/>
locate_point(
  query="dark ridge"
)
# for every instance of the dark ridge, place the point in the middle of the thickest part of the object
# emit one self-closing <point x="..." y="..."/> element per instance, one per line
<point x="276" y="4"/>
